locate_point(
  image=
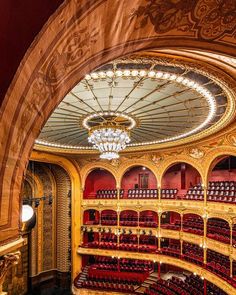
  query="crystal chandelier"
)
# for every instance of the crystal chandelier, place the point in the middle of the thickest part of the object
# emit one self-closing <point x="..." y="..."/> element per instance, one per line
<point x="109" y="140"/>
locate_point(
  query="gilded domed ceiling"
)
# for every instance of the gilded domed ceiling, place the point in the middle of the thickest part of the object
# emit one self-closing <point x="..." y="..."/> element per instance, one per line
<point x="159" y="100"/>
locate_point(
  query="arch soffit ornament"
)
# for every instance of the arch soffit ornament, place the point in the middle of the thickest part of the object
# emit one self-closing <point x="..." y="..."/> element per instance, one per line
<point x="34" y="93"/>
<point x="87" y="169"/>
<point x="138" y="162"/>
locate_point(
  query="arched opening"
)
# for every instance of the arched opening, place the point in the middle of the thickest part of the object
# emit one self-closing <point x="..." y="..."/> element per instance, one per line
<point x="139" y="182"/>
<point x="100" y="184"/>
<point x="182" y="181"/>
<point x="128" y="218"/>
<point x="218" y="229"/>
<point x="222" y="180"/>
<point x="148" y="218"/>
<point x="170" y="220"/>
<point x="193" y="223"/>
<point x="108" y="217"/>
<point x="91" y="217"/>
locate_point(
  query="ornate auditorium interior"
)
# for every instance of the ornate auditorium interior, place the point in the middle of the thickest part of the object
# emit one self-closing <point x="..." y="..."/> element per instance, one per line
<point x="118" y="147"/>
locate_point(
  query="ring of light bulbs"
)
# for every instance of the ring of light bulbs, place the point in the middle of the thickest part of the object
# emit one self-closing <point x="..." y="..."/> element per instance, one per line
<point x="160" y="75"/>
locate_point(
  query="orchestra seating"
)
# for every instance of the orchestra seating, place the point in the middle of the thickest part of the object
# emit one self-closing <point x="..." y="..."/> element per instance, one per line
<point x="122" y="281"/>
<point x="106" y="194"/>
<point x="169" y="193"/>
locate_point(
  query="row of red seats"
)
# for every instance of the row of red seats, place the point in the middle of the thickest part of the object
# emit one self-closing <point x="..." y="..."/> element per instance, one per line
<point x="142" y="193"/>
<point x="127" y="265"/>
<point x="108" y="286"/>
<point x="190" y="285"/>
<point x="106" y="194"/>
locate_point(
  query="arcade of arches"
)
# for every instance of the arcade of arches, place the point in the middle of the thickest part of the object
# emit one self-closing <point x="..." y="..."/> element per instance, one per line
<point x="153" y="209"/>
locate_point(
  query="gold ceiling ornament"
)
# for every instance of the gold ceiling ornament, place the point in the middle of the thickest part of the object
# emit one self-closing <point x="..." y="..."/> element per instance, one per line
<point x="196" y="153"/>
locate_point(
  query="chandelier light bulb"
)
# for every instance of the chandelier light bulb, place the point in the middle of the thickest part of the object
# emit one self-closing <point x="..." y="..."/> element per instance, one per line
<point x="109" y="140"/>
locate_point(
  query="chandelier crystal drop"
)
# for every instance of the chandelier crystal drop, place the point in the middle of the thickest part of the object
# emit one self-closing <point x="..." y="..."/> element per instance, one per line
<point x="109" y="140"/>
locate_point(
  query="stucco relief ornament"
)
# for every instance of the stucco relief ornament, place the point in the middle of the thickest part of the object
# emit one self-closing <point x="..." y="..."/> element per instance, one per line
<point x="233" y="140"/>
<point x="196" y="153"/>
<point x="115" y="162"/>
<point x="156" y="159"/>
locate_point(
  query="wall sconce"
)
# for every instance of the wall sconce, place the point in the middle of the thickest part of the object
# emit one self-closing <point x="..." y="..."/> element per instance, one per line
<point x="28" y="218"/>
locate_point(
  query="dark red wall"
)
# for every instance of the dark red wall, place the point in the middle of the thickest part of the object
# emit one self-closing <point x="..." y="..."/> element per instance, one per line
<point x="131" y="177"/>
<point x="172" y="178"/>
<point x="96" y="180"/>
<point x="220" y="175"/>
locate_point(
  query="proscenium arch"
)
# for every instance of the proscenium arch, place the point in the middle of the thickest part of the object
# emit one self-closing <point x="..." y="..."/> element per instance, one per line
<point x="98" y="34"/>
<point x="76" y="220"/>
<point x="128" y="166"/>
<point x="181" y="160"/>
<point x="85" y="172"/>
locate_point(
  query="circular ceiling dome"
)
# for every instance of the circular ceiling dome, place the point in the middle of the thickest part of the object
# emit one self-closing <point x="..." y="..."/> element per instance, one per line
<point x="157" y="101"/>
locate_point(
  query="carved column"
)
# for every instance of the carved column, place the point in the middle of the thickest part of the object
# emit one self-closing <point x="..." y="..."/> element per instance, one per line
<point x="205" y="195"/>
<point x="205" y="255"/>
<point x="204" y="239"/>
<point x="118" y="193"/>
<point x="231" y="233"/>
<point x="231" y="245"/>
<point x="100" y="217"/>
<point x="181" y="222"/>
<point x="159" y="230"/>
<point x="231" y="266"/>
<point x="159" y="193"/>
<point x="118" y="216"/>
<point x="6" y="263"/>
